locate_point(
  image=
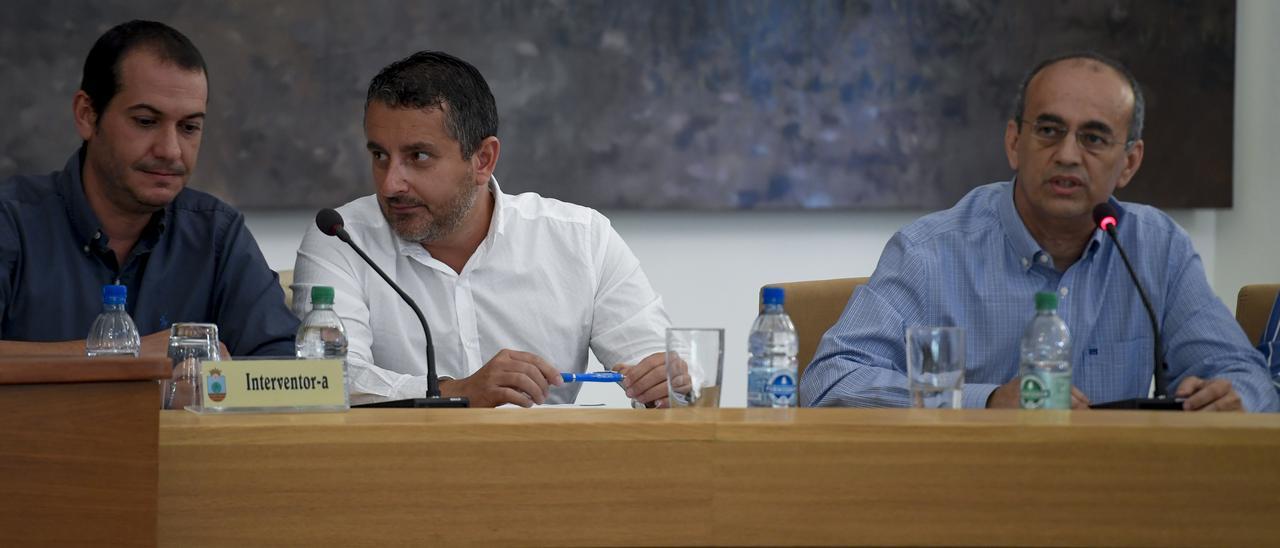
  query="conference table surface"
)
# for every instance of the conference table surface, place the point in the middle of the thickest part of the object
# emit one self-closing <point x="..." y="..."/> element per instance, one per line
<point x="736" y="477"/>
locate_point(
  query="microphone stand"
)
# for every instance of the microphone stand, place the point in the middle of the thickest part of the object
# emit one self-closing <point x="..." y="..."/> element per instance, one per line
<point x="433" y="398"/>
<point x="1161" y="401"/>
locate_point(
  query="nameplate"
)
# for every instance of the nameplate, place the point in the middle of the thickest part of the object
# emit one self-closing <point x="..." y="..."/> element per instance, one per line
<point x="272" y="385"/>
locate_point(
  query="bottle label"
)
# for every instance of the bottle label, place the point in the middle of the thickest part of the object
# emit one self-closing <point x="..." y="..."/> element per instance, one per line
<point x="1045" y="390"/>
<point x="782" y="389"/>
<point x="757" y="379"/>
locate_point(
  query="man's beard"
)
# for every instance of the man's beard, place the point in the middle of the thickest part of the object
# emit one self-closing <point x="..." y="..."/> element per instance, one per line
<point x="441" y="223"/>
<point x="114" y="176"/>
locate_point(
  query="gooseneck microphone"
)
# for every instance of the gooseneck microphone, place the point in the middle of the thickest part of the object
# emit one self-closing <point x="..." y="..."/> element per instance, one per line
<point x="1105" y="216"/>
<point x="330" y="222"/>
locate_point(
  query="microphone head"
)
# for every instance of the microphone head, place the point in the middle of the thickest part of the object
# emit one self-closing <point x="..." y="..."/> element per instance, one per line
<point x="1104" y="215"/>
<point x="329" y="221"/>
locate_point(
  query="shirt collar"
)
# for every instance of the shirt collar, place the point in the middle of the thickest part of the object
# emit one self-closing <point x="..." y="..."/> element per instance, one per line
<point x="496" y="224"/>
<point x="70" y="186"/>
<point x="1024" y="245"/>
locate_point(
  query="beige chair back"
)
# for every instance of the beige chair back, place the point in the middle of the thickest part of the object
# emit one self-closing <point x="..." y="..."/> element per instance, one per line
<point x="1253" y="308"/>
<point x="286" y="280"/>
<point x="815" y="306"/>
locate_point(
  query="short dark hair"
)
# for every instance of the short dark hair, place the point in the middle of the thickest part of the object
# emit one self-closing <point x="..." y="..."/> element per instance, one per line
<point x="434" y="79"/>
<point x="101" y="80"/>
<point x="1139" y="104"/>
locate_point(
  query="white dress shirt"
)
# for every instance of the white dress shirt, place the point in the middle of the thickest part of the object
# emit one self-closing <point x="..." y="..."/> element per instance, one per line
<point x="550" y="278"/>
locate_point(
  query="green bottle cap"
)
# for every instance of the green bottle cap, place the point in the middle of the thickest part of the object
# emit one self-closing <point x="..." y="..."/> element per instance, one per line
<point x="322" y="294"/>
<point x="1046" y="300"/>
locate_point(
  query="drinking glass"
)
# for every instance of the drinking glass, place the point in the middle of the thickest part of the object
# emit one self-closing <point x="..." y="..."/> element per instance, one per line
<point x="301" y="302"/>
<point x="935" y="366"/>
<point x="189" y="345"/>
<point x="695" y="365"/>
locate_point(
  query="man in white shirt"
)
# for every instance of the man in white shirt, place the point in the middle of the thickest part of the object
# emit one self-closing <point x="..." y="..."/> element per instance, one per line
<point x="516" y="288"/>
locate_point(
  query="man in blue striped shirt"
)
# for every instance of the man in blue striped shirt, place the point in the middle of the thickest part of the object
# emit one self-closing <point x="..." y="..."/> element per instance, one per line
<point x="1075" y="137"/>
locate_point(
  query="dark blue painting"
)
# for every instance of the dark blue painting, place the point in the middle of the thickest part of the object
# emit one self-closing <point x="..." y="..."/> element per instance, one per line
<point x="690" y="104"/>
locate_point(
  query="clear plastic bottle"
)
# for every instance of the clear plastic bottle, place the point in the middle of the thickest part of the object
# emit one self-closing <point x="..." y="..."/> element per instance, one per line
<point x="321" y="334"/>
<point x="113" y="332"/>
<point x="1045" y="372"/>
<point x="772" y="370"/>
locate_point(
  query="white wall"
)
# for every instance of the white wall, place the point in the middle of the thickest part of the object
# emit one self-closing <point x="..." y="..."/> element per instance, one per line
<point x="1248" y="250"/>
<point x="709" y="266"/>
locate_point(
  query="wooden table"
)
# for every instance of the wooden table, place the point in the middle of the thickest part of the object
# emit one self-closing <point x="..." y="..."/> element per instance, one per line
<point x="78" y="443"/>
<point x="595" y="477"/>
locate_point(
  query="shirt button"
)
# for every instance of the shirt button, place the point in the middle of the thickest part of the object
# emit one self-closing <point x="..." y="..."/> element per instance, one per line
<point x="1026" y="262"/>
<point x="97" y="235"/>
<point x="86" y="249"/>
<point x="1044" y="259"/>
<point x="1062" y="291"/>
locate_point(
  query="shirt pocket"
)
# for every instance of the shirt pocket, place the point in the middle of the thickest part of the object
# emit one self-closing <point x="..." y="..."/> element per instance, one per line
<point x="1115" y="369"/>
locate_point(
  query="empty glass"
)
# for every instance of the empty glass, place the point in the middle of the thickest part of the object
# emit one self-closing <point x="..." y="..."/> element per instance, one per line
<point x="301" y="303"/>
<point x="935" y="366"/>
<point x="695" y="364"/>
<point x="189" y="345"/>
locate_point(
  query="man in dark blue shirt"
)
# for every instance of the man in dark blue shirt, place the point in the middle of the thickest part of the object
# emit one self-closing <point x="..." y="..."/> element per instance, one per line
<point x="120" y="212"/>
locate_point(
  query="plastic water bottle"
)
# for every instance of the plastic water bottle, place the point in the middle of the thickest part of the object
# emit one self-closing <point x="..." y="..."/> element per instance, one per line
<point x="773" y="344"/>
<point x="1045" y="375"/>
<point x="113" y="332"/>
<point x="321" y="334"/>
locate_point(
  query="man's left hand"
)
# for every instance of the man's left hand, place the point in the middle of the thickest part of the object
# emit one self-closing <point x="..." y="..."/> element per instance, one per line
<point x="646" y="382"/>
<point x="1208" y="395"/>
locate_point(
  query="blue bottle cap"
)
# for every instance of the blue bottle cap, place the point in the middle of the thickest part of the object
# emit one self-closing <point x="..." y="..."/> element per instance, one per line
<point x="772" y="295"/>
<point x="114" y="294"/>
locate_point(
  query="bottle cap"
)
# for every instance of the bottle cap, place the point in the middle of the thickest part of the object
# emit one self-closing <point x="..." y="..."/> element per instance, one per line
<point x="772" y="295"/>
<point x="114" y="294"/>
<point x="322" y="294"/>
<point x="1046" y="300"/>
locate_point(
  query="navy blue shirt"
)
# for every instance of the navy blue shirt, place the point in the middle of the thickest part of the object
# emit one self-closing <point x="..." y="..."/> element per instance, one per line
<point x="194" y="262"/>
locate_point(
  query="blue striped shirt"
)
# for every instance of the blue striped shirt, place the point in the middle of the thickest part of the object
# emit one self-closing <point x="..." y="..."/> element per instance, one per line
<point x="1270" y="343"/>
<point x="977" y="267"/>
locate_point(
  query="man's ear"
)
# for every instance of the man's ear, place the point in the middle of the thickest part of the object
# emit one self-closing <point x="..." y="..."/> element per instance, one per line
<point x="485" y="159"/>
<point x="86" y="118"/>
<point x="1011" y="136"/>
<point x="1132" y="161"/>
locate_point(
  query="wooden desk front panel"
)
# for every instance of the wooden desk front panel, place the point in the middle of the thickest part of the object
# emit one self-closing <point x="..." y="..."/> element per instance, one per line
<point x="440" y="478"/>
<point x="78" y="464"/>
<point x="928" y="478"/>
<point x="719" y="477"/>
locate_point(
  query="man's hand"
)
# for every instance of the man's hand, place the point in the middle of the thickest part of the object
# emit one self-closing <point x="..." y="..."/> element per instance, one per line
<point x="510" y="377"/>
<point x="1208" y="395"/>
<point x="646" y="382"/>
<point x="1009" y="396"/>
<point x="1078" y="399"/>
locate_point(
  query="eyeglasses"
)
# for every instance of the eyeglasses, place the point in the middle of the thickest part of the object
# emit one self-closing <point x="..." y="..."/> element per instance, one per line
<point x="1052" y="133"/>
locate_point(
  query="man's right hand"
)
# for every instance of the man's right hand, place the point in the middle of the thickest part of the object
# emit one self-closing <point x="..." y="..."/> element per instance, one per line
<point x="1009" y="396"/>
<point x="510" y="376"/>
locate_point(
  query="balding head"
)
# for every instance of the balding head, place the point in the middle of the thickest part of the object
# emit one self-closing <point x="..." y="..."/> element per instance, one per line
<point x="1092" y="62"/>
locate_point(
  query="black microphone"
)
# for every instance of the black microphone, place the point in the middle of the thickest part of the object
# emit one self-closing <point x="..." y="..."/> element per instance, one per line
<point x="1104" y="215"/>
<point x="330" y="222"/>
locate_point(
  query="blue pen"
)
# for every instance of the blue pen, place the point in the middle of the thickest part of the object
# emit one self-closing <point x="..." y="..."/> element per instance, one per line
<point x="591" y="377"/>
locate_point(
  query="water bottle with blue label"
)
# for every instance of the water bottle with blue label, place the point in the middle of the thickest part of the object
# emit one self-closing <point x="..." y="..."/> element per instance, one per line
<point x="1045" y="376"/>
<point x="772" y="370"/>
<point x="113" y="332"/>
